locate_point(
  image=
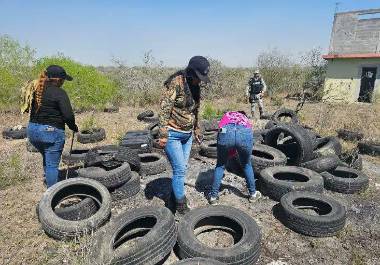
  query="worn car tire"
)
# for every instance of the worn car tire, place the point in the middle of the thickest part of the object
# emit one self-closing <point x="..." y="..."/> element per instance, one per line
<point x="10" y="133"/>
<point x="321" y="164"/>
<point x="77" y="156"/>
<point x="80" y="211"/>
<point x="349" y="135"/>
<point x="144" y="114"/>
<point x="208" y="149"/>
<point x="371" y="148"/>
<point x="140" y="141"/>
<point x="91" y="136"/>
<point x="59" y="228"/>
<point x="127" y="190"/>
<point x="244" y="228"/>
<point x="155" y="229"/>
<point x="125" y="154"/>
<point x="264" y="156"/>
<point x="281" y="113"/>
<point x="111" y="179"/>
<point x="198" y="261"/>
<point x="298" y="148"/>
<point x="327" y="146"/>
<point x="330" y="218"/>
<point x="345" y="180"/>
<point x="153" y="128"/>
<point x="152" y="163"/>
<point x="277" y="181"/>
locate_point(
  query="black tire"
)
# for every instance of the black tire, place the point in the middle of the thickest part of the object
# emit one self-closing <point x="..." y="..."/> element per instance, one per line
<point x="111" y="179"/>
<point x="277" y="181"/>
<point x="282" y="113"/>
<point x="345" y="180"/>
<point x="84" y="209"/>
<point x="155" y="229"/>
<point x="153" y="128"/>
<point x="210" y="135"/>
<point x="77" y="156"/>
<point x="144" y="114"/>
<point x="270" y="125"/>
<point x="10" y="133"/>
<point x="328" y="146"/>
<point x="125" y="154"/>
<point x="112" y="109"/>
<point x="209" y="149"/>
<point x="351" y="159"/>
<point x="298" y="149"/>
<point x="322" y="164"/>
<point x="59" y="228"/>
<point x="371" y="148"/>
<point x="198" y="261"/>
<point x="128" y="190"/>
<point x="30" y="148"/>
<point x="264" y="156"/>
<point x="96" y="156"/>
<point x="91" y="136"/>
<point x="152" y="163"/>
<point x="153" y="119"/>
<point x="140" y="141"/>
<point x="241" y="225"/>
<point x="349" y="135"/>
<point x="330" y="218"/>
<point x="259" y="135"/>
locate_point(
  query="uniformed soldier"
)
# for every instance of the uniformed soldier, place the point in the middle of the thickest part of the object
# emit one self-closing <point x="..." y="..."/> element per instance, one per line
<point x="178" y="121"/>
<point x="255" y="91"/>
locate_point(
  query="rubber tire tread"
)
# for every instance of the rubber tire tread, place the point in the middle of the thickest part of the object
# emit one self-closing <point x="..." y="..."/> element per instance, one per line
<point x="146" y="113"/>
<point x="80" y="211"/>
<point x="128" y="190"/>
<point x="155" y="167"/>
<point x="276" y="188"/>
<point x="246" y="252"/>
<point x="62" y="229"/>
<point x="147" y="250"/>
<point x="110" y="179"/>
<point x="198" y="261"/>
<point x="95" y="137"/>
<point x="322" y="164"/>
<point x="9" y="134"/>
<point x="345" y="185"/>
<point x="317" y="226"/>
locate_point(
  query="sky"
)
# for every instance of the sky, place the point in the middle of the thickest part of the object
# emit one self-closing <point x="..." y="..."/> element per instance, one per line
<point x="232" y="31"/>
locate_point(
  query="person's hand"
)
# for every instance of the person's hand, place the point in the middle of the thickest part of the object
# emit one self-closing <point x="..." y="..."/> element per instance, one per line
<point x="162" y="142"/>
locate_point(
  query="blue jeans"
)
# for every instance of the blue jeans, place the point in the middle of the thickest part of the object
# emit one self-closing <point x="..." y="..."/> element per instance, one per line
<point x="49" y="141"/>
<point x="178" y="149"/>
<point x="240" y="138"/>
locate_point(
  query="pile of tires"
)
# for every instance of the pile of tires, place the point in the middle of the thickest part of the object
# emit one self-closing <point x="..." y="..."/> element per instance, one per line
<point x="140" y="140"/>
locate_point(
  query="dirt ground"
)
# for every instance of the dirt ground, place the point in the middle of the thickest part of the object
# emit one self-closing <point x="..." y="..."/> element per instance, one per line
<point x="22" y="240"/>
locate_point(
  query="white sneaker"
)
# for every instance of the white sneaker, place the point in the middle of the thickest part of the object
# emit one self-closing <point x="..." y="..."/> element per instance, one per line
<point x="254" y="197"/>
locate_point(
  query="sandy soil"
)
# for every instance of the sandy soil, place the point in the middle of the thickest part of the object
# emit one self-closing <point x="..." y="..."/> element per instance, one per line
<point x="23" y="242"/>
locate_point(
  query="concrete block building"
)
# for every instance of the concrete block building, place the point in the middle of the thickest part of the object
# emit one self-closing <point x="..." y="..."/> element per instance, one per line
<point x="353" y="72"/>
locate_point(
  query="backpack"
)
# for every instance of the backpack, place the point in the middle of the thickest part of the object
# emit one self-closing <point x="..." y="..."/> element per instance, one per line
<point x="27" y="94"/>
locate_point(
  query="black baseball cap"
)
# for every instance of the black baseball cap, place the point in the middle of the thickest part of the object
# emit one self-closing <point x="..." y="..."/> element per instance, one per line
<point x="56" y="71"/>
<point x="201" y="66"/>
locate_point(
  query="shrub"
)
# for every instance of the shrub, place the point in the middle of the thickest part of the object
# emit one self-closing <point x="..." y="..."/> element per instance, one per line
<point x="15" y="69"/>
<point x="90" y="88"/>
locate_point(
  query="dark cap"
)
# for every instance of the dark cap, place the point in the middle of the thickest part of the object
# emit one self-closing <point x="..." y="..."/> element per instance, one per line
<point x="56" y="71"/>
<point x="201" y="67"/>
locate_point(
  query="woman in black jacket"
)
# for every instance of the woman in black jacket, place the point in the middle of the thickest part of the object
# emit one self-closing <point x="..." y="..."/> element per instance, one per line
<point x="51" y="110"/>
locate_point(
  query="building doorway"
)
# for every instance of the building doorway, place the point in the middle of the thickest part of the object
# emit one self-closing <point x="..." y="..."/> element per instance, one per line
<point x="367" y="84"/>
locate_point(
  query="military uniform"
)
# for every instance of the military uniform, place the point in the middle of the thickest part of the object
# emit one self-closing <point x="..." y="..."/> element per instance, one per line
<point x="256" y="87"/>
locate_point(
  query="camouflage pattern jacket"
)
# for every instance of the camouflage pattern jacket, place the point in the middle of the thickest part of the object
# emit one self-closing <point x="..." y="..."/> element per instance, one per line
<point x="178" y="109"/>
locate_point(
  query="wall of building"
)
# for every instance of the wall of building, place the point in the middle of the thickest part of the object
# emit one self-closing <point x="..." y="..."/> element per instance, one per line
<point x="351" y="34"/>
<point x="343" y="79"/>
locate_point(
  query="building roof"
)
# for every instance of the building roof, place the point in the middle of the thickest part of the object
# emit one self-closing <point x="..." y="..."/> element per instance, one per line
<point x="351" y="56"/>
